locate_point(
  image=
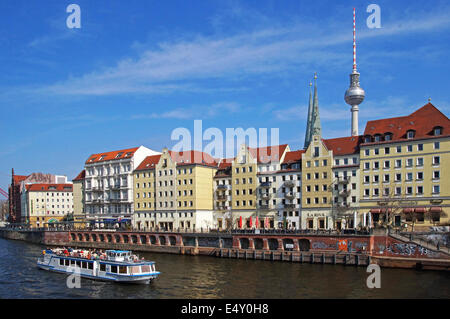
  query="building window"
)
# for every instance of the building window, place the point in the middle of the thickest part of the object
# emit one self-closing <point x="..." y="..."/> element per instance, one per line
<point x="419" y="162"/>
<point x="437" y="145"/>
<point x="436" y="174"/>
<point x="420" y="147"/>
<point x="436" y="189"/>
<point x="436" y="160"/>
<point x="316" y="152"/>
<point x="410" y="134"/>
<point x="409" y="148"/>
<point x="387" y="150"/>
<point x="399" y="149"/>
<point x="367" y="152"/>
<point x="437" y="131"/>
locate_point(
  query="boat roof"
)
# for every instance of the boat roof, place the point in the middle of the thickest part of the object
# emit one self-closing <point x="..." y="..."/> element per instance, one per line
<point x="119" y="251"/>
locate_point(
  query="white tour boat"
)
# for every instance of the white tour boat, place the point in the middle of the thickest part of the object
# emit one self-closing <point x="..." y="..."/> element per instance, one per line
<point x="112" y="265"/>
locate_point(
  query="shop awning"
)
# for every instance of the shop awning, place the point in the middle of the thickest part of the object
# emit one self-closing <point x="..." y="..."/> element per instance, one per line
<point x="435" y="209"/>
<point x="420" y="210"/>
<point x="375" y="211"/>
<point x="408" y="210"/>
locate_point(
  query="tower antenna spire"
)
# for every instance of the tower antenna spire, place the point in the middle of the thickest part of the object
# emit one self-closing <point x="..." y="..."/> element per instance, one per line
<point x="354" y="94"/>
<point x="354" y="41"/>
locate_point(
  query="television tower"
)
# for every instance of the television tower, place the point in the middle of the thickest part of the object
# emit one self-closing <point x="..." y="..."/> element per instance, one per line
<point x="354" y="94"/>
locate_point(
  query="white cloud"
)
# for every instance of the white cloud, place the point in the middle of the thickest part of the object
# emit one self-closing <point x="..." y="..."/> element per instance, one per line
<point x="181" y="65"/>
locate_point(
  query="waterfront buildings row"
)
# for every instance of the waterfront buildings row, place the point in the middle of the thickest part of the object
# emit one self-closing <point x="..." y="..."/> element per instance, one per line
<point x="397" y="172"/>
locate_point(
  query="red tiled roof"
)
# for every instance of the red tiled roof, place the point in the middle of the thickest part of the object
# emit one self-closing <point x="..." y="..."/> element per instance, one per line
<point x="107" y="156"/>
<point x="293" y="156"/>
<point x="344" y="145"/>
<point x="423" y="121"/>
<point x="149" y="163"/>
<point x="80" y="176"/>
<point x="225" y="163"/>
<point x="193" y="157"/>
<point x="19" y="178"/>
<point x="268" y="153"/>
<point x="49" y="187"/>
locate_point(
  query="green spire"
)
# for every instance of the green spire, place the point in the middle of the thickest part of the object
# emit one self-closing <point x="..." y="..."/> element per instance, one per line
<point x="309" y="120"/>
<point x="316" y="128"/>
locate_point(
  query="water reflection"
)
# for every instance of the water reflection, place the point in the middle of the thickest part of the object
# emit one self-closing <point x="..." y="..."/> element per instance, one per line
<point x="207" y="277"/>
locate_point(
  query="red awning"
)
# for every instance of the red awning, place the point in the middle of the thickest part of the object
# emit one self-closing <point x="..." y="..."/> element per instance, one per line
<point x="420" y="210"/>
<point x="240" y="222"/>
<point x="435" y="209"/>
<point x="375" y="211"/>
<point x="257" y="222"/>
<point x="408" y="210"/>
<point x="251" y="221"/>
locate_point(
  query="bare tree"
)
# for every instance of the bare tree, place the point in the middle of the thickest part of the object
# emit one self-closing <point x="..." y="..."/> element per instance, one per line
<point x="4" y="210"/>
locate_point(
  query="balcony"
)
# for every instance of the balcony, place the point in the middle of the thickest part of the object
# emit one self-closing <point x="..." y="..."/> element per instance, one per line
<point x="344" y="192"/>
<point x="266" y="184"/>
<point x="265" y="206"/>
<point x="289" y="195"/>
<point x="115" y="187"/>
<point x="289" y="183"/>
<point x="289" y="205"/>
<point x="97" y="189"/>
<point x="222" y="187"/>
<point x="266" y="196"/>
<point x="343" y="180"/>
<point x="221" y="197"/>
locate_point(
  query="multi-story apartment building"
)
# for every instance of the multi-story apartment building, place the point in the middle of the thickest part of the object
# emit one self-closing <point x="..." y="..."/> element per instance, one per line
<point x="345" y="181"/>
<point x="317" y="163"/>
<point x="44" y="204"/>
<point x="79" y="214"/>
<point x="289" y="192"/>
<point x="405" y="171"/>
<point x="108" y="187"/>
<point x="183" y="191"/>
<point x="144" y="178"/>
<point x="222" y="195"/>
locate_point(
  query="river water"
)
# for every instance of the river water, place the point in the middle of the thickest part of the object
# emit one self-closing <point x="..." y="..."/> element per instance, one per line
<point x="209" y="277"/>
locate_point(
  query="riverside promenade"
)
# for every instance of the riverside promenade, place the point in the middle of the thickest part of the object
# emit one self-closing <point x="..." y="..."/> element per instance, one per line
<point x="358" y="249"/>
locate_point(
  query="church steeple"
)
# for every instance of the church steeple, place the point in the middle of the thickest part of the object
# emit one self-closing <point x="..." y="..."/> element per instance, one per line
<point x="309" y="119"/>
<point x="313" y="126"/>
<point x="316" y="128"/>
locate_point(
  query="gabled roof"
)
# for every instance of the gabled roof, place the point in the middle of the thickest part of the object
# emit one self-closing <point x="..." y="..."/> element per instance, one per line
<point x="344" y="145"/>
<point x="193" y="157"/>
<point x="422" y="121"/>
<point x="80" y="176"/>
<point x="108" y="156"/>
<point x="293" y="156"/>
<point x="148" y="163"/>
<point x="49" y="187"/>
<point x="19" y="178"/>
<point x="268" y="154"/>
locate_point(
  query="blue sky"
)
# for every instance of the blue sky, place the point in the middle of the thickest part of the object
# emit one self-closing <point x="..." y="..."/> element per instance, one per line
<point x="136" y="70"/>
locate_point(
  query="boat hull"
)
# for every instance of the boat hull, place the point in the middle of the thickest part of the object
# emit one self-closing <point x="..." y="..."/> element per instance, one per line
<point x="125" y="279"/>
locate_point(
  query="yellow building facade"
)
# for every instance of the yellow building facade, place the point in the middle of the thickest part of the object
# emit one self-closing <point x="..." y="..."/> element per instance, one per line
<point x="405" y="173"/>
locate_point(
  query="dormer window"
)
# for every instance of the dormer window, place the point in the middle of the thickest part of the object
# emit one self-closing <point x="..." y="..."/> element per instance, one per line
<point x="101" y="157"/>
<point x="367" y="139"/>
<point x="410" y="134"/>
<point x="437" y="131"/>
<point x="388" y="136"/>
<point x="119" y="155"/>
<point x="377" y="138"/>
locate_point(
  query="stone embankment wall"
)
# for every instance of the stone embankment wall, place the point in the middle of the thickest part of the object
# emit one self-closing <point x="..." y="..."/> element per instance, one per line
<point x="346" y="249"/>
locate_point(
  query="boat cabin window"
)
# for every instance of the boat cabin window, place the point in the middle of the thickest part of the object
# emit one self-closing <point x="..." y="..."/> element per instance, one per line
<point x="102" y="267"/>
<point x="61" y="262"/>
<point x="91" y="266"/>
<point x="114" y="269"/>
<point x="146" y="268"/>
<point x="78" y="263"/>
<point x="72" y="262"/>
<point x="84" y="264"/>
<point x="67" y="261"/>
<point x="123" y="269"/>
